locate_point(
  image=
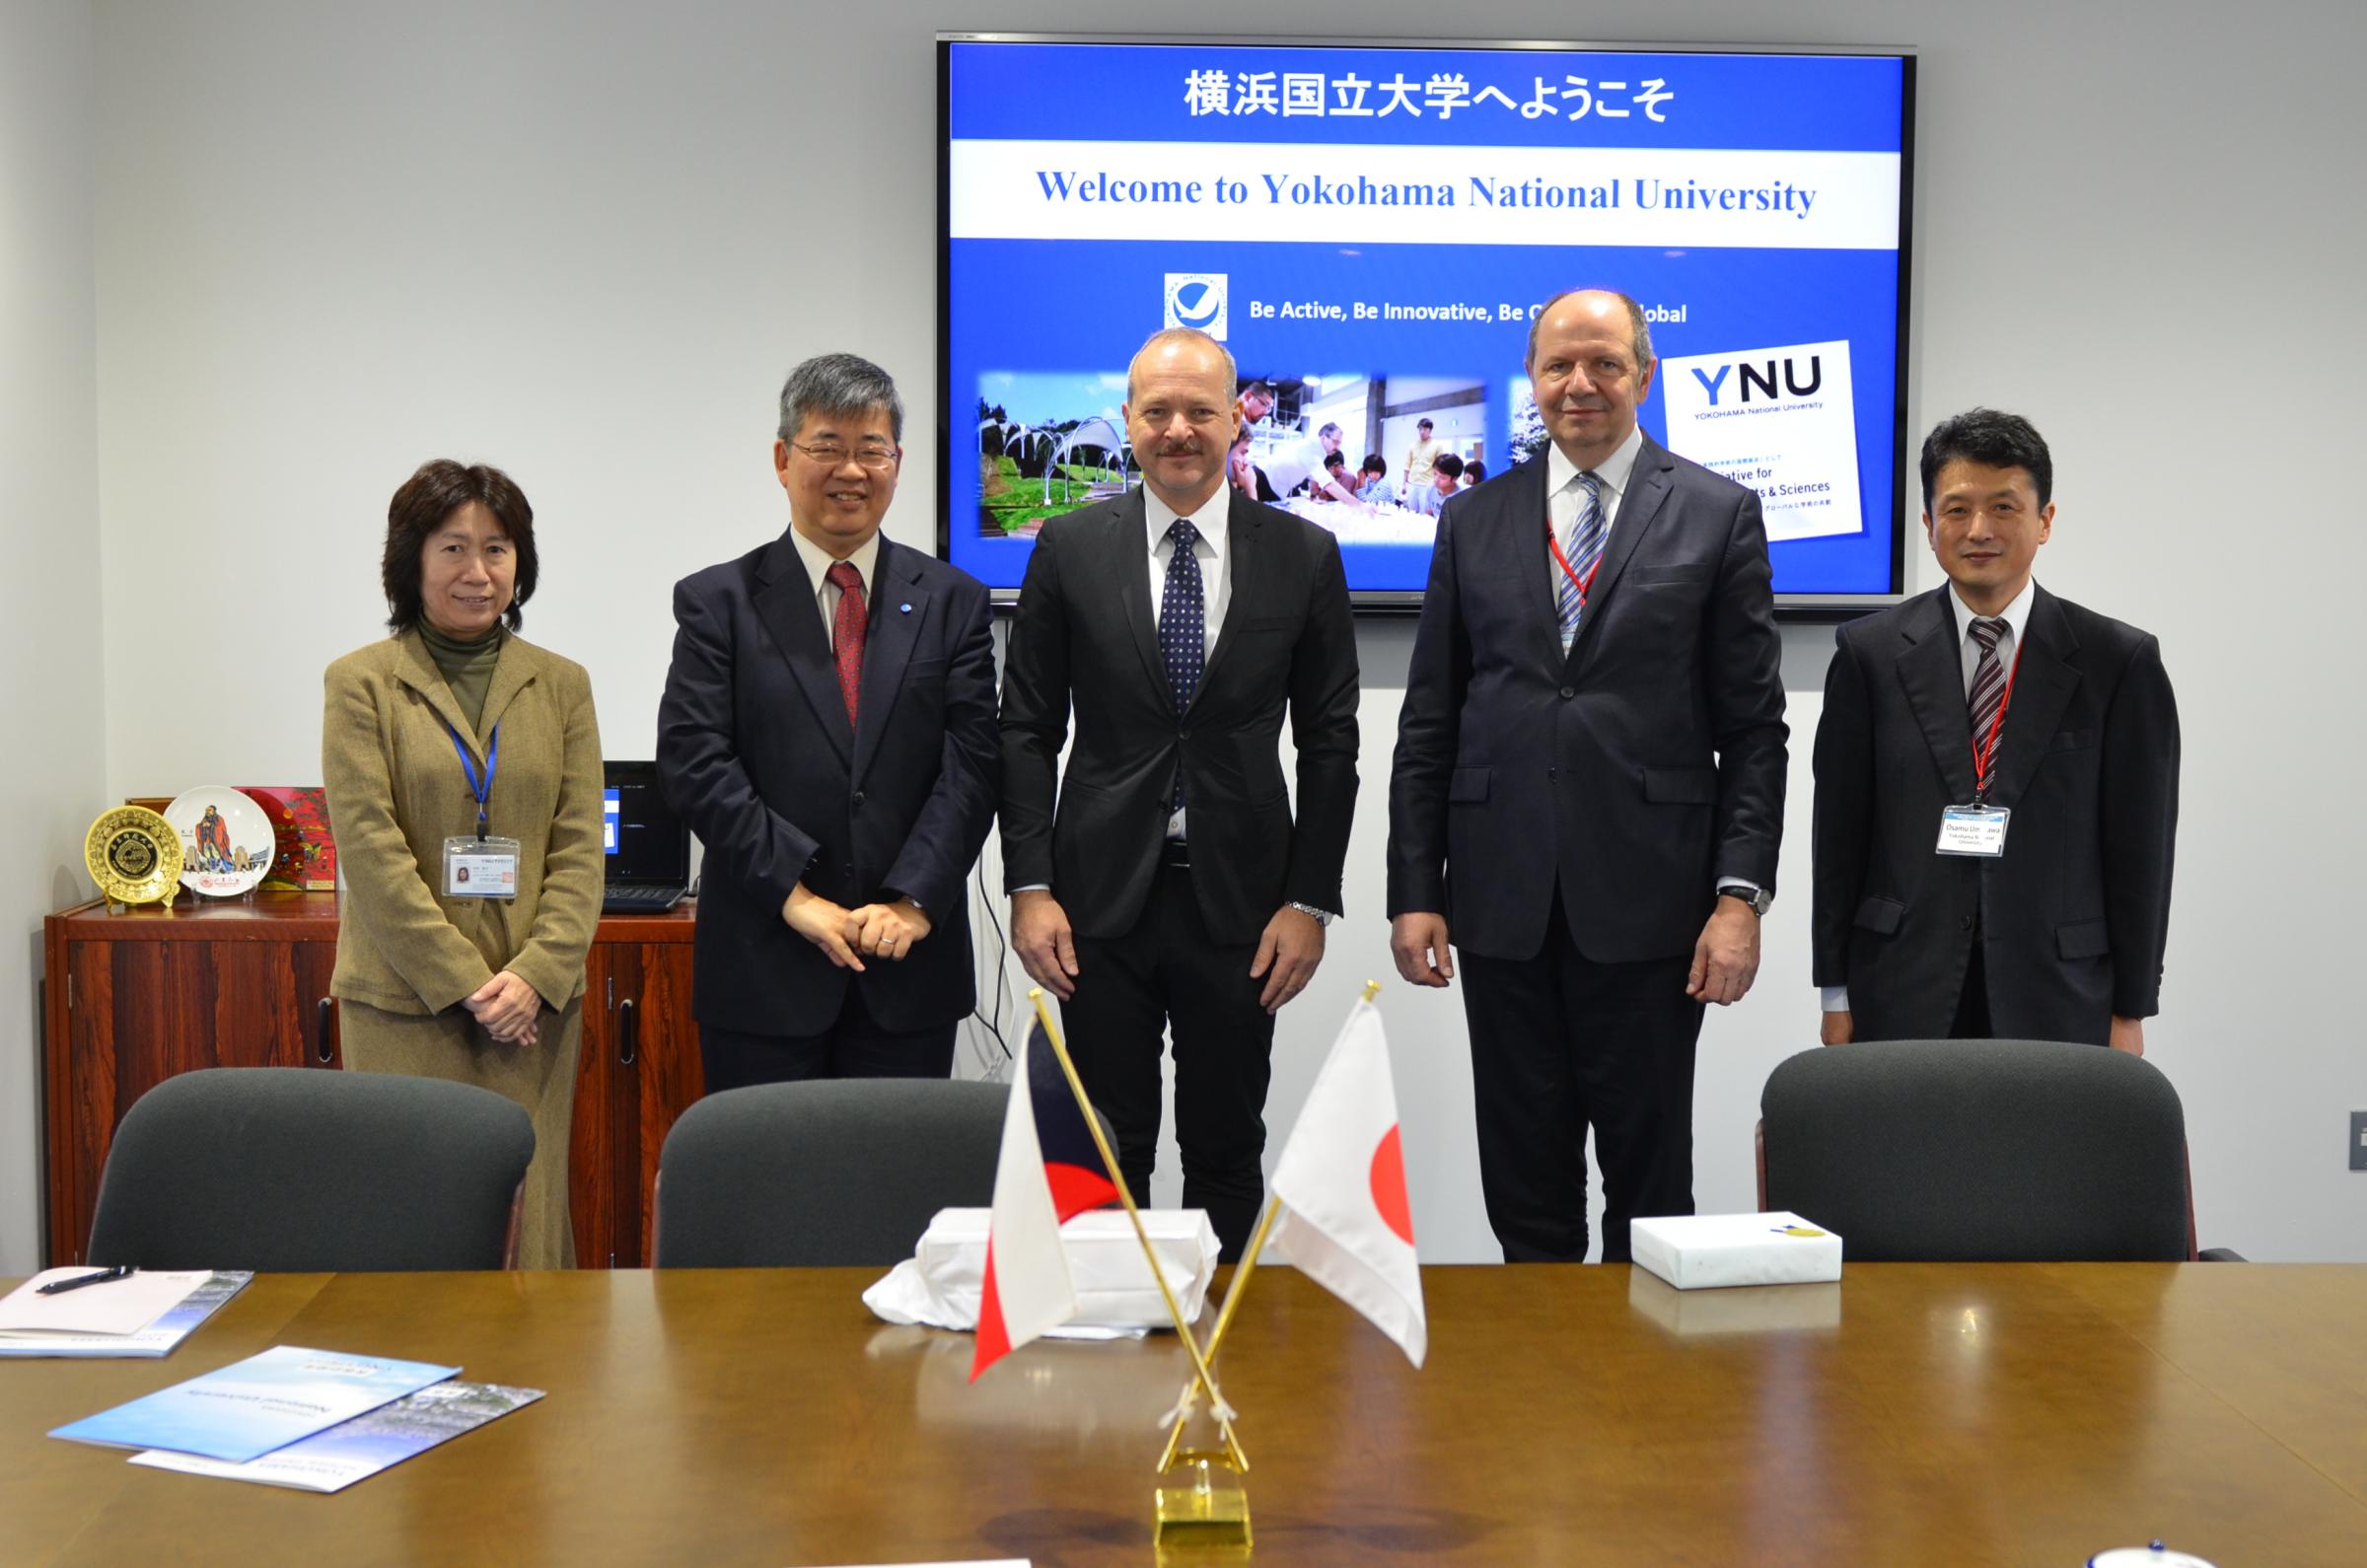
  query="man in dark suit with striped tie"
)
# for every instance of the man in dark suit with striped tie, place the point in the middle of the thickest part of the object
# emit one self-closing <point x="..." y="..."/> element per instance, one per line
<point x="1996" y="785"/>
<point x="1173" y="886"/>
<point x="1588" y="791"/>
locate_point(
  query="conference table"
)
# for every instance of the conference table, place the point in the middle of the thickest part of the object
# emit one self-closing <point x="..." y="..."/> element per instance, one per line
<point x="1913" y="1413"/>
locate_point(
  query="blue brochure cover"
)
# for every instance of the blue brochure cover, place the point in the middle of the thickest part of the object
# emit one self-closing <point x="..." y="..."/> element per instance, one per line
<point x="249" y="1407"/>
<point x="331" y="1461"/>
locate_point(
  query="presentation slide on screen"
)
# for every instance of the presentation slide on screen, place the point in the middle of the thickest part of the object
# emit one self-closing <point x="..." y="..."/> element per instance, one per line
<point x="1370" y="232"/>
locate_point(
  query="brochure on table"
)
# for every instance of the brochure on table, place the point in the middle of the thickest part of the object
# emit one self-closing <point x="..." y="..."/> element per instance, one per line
<point x="355" y="1450"/>
<point x="249" y="1408"/>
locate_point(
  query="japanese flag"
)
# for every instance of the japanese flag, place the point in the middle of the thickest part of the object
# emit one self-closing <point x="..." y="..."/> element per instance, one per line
<point x="1341" y="1182"/>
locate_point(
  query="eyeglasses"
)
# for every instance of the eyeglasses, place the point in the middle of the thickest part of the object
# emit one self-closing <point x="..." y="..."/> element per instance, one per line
<point x="876" y="460"/>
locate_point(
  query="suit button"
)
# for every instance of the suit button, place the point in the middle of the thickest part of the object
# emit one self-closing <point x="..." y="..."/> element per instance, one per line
<point x="1567" y="692"/>
<point x="1966" y="924"/>
<point x="858" y="797"/>
<point x="1182" y="735"/>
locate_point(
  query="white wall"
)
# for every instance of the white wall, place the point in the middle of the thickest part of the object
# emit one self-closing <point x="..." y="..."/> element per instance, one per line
<point x="51" y="705"/>
<point x="585" y="242"/>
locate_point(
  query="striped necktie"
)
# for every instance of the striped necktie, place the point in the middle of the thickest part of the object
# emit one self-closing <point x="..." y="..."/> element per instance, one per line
<point x="1582" y="551"/>
<point x="1988" y="681"/>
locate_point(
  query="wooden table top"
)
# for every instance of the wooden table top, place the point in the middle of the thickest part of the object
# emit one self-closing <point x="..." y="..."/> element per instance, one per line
<point x="1913" y="1413"/>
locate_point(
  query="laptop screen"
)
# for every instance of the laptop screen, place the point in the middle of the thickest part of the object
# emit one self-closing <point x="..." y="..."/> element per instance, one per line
<point x="645" y="841"/>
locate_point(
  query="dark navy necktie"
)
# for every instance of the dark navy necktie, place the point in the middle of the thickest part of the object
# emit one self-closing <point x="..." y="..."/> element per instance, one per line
<point x="1182" y="625"/>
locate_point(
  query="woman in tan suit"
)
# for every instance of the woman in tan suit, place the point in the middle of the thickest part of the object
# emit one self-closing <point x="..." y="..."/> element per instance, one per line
<point x="435" y="977"/>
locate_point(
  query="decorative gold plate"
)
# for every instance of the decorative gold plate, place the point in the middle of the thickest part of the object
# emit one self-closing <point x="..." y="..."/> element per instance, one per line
<point x="133" y="855"/>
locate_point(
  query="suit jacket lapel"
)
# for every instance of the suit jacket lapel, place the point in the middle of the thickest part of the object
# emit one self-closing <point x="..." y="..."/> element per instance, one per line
<point x="785" y="603"/>
<point x="897" y="608"/>
<point x="1529" y="565"/>
<point x="1648" y="487"/>
<point x="513" y="672"/>
<point x="2045" y="672"/>
<point x="1245" y="568"/>
<point x="1126" y="543"/>
<point x="416" y="668"/>
<point x="1931" y="670"/>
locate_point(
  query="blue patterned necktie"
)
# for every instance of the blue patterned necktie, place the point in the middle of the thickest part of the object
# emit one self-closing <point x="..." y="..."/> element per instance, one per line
<point x="1182" y="626"/>
<point x="1582" y="548"/>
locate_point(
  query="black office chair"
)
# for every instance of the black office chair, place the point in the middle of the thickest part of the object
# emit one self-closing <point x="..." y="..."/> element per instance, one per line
<point x="305" y="1170"/>
<point x="1963" y="1151"/>
<point x="816" y="1175"/>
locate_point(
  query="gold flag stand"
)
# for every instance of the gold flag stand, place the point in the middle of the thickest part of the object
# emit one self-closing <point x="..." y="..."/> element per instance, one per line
<point x="1209" y="1512"/>
<point x="1212" y="1510"/>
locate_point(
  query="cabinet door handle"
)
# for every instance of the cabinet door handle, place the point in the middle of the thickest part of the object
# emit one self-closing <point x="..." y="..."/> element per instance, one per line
<point x="629" y="1031"/>
<point x="322" y="1048"/>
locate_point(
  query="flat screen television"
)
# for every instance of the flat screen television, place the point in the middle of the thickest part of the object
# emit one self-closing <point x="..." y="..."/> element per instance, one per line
<point x="1371" y="228"/>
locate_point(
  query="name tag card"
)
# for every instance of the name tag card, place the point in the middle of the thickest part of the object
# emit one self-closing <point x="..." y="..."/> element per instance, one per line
<point x="1973" y="830"/>
<point x="481" y="868"/>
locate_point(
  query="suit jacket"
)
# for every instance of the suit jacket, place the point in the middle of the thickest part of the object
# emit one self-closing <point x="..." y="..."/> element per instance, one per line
<point x="1634" y="772"/>
<point x="754" y="752"/>
<point x="2076" y="911"/>
<point x="1084" y="636"/>
<point x="395" y="792"/>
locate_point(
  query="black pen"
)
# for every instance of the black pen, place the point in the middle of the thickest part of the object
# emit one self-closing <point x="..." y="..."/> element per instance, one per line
<point x="120" y="1271"/>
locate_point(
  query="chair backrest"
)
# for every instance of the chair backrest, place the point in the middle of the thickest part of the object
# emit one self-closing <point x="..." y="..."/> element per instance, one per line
<point x="814" y="1174"/>
<point x="307" y="1168"/>
<point x="1961" y="1151"/>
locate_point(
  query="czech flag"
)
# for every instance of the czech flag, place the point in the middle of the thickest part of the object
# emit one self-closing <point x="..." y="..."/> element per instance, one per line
<point x="1049" y="1169"/>
<point x="1346" y="1219"/>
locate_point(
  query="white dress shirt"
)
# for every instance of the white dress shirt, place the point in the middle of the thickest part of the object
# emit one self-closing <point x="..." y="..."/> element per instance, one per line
<point x="2016" y="615"/>
<point x="818" y="561"/>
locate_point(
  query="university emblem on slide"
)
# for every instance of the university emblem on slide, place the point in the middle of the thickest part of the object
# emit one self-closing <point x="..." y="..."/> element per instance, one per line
<point x="1198" y="300"/>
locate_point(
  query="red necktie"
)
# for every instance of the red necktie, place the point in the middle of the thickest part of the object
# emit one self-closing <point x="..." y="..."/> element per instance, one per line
<point x="846" y="634"/>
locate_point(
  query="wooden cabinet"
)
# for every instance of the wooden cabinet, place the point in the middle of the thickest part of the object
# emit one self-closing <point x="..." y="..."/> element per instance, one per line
<point x="135" y="996"/>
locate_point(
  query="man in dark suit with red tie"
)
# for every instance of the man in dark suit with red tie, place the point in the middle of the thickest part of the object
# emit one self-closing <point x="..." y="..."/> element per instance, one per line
<point x="1996" y="785"/>
<point x="1588" y="791"/>
<point x="1171" y="884"/>
<point x="827" y="730"/>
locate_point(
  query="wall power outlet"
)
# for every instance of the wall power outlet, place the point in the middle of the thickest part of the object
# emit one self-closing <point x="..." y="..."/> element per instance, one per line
<point x="2358" y="1140"/>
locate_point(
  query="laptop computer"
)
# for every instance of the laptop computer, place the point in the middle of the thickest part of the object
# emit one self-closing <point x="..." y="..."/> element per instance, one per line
<point x="648" y="846"/>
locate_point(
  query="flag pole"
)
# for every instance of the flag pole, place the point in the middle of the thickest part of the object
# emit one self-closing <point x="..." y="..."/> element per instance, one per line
<point x="1175" y="1310"/>
<point x="1240" y="1281"/>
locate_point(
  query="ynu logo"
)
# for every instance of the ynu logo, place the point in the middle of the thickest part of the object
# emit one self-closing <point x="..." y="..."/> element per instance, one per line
<point x="1761" y="381"/>
<point x="1196" y="300"/>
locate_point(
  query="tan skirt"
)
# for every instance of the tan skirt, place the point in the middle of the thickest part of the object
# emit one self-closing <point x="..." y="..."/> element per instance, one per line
<point x="541" y="1078"/>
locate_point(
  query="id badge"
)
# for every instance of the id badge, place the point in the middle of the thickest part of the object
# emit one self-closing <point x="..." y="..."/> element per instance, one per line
<point x="1973" y="830"/>
<point x="481" y="868"/>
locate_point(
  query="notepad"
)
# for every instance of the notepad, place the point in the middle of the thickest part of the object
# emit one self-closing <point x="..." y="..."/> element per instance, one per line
<point x="149" y="1343"/>
<point x="118" y="1307"/>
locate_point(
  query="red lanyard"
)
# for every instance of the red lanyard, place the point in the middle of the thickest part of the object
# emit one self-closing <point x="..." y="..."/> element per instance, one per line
<point x="1983" y="755"/>
<point x="1585" y="584"/>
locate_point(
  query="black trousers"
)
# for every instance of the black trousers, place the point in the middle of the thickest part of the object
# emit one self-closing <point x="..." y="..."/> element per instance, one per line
<point x="854" y="1046"/>
<point x="1560" y="1045"/>
<point x="1131" y="989"/>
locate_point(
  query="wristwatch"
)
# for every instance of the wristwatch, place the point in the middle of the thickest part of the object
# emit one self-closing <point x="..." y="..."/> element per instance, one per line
<point x="1321" y="917"/>
<point x="1758" y="899"/>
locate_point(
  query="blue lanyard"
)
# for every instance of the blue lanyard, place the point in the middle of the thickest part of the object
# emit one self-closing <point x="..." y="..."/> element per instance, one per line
<point x="479" y="787"/>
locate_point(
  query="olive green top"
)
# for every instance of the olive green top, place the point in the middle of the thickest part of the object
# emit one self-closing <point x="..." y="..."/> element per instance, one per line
<point x="466" y="666"/>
